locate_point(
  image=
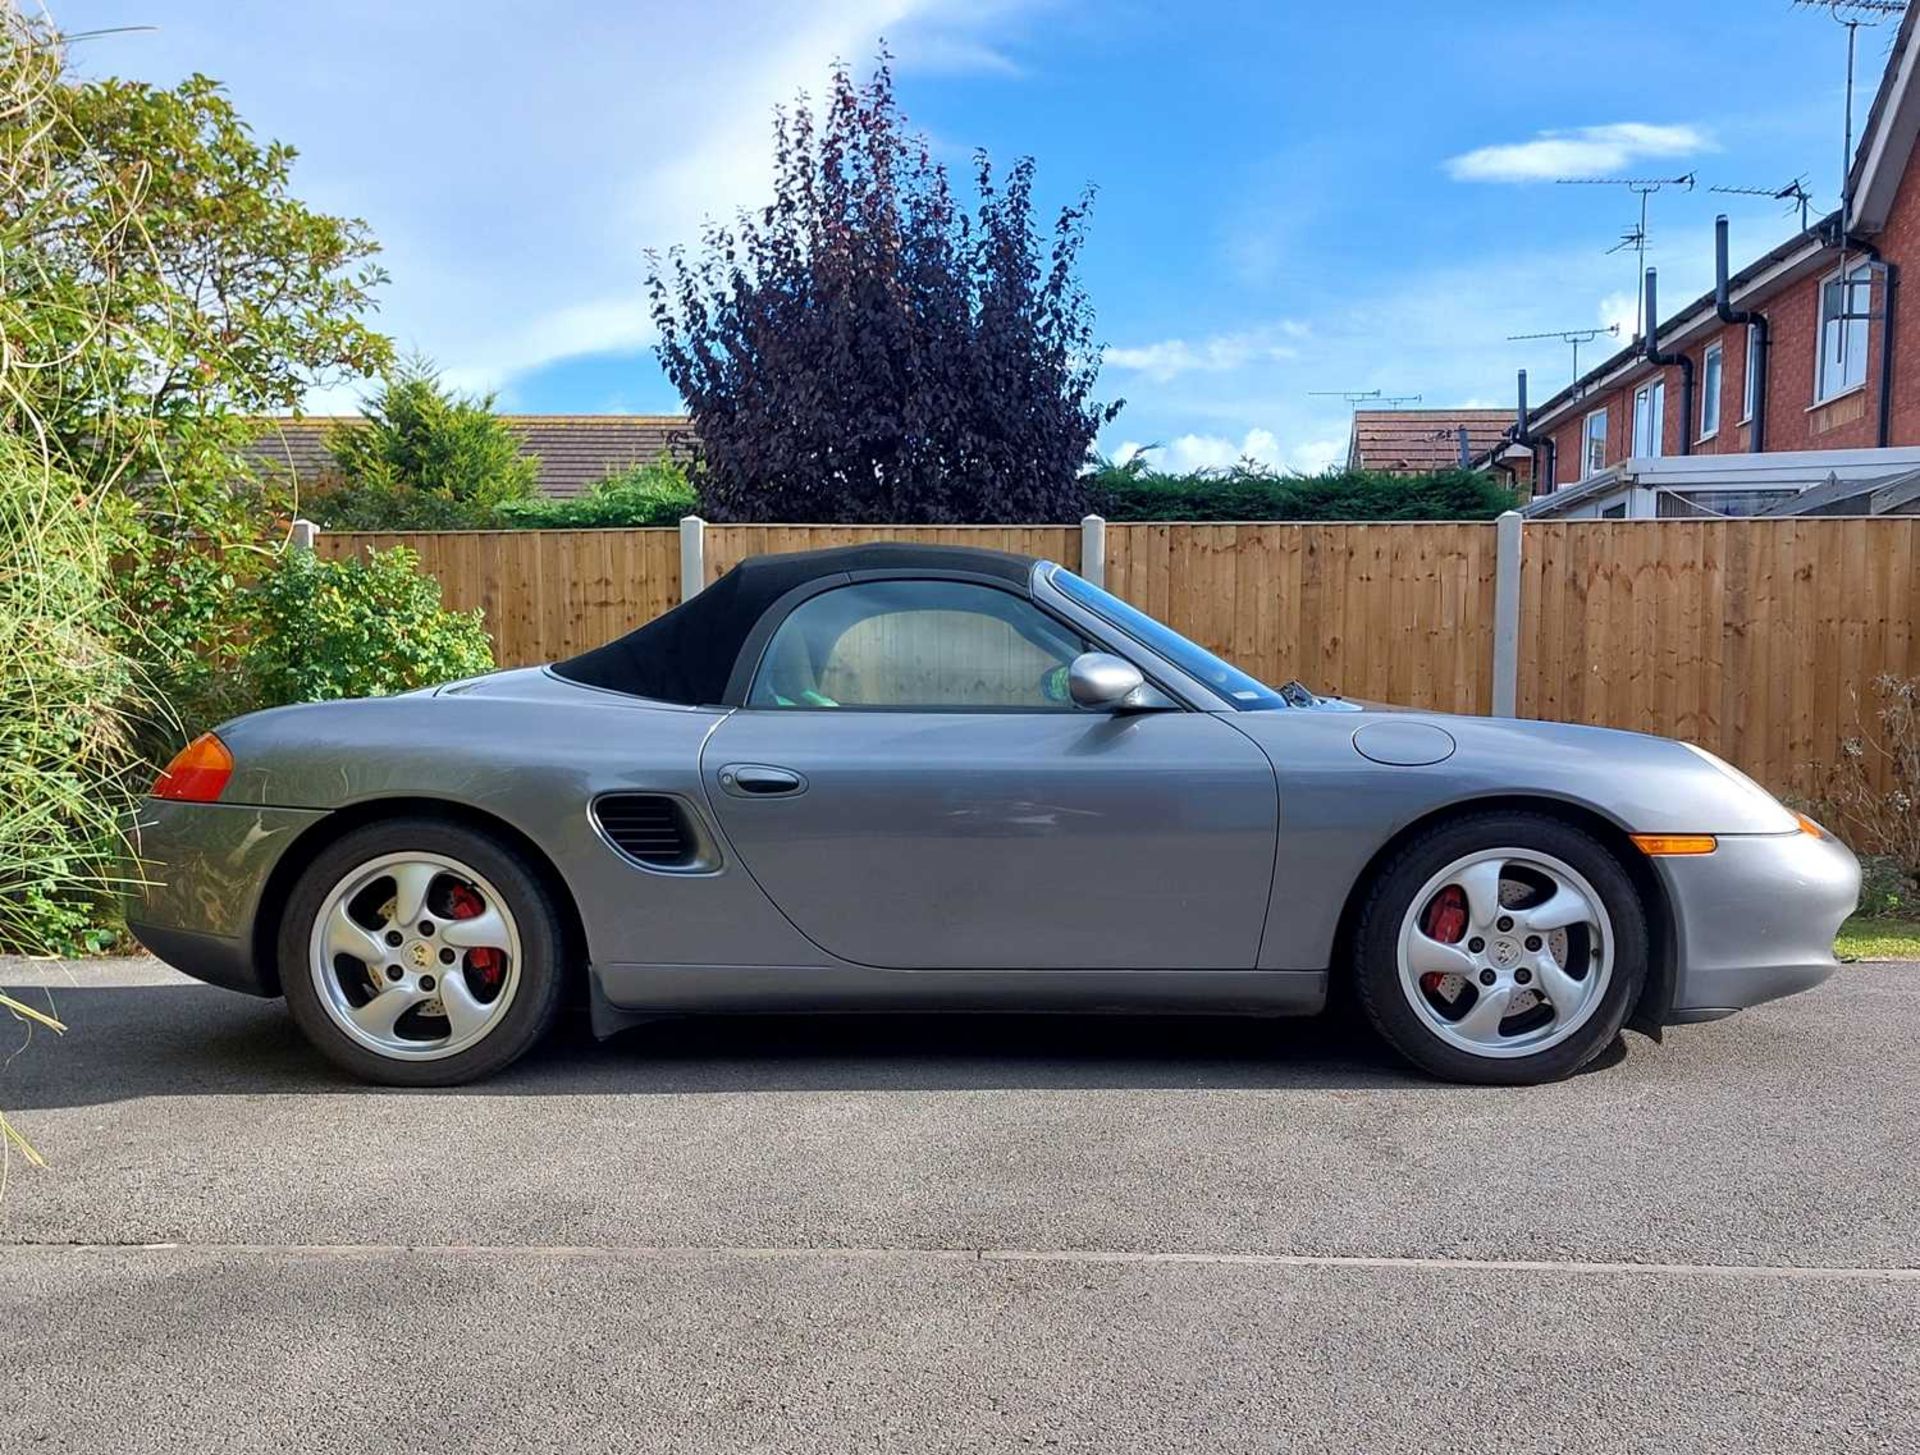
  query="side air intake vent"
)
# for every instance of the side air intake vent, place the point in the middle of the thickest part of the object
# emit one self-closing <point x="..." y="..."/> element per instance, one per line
<point x="649" y="827"/>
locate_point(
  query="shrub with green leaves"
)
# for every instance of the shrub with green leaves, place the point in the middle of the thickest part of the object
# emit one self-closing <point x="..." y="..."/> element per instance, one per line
<point x="425" y="458"/>
<point x="1134" y="491"/>
<point x="357" y="628"/>
<point x="68" y="771"/>
<point x="654" y="494"/>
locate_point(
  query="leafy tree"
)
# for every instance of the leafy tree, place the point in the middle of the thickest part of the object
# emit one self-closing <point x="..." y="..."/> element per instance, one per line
<point x="159" y="286"/>
<point x="426" y="458"/>
<point x="173" y="284"/>
<point x="863" y="349"/>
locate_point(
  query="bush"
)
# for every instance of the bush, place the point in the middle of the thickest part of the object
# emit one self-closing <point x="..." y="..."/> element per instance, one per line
<point x="67" y="765"/>
<point x="1886" y="891"/>
<point x="655" y="494"/>
<point x="380" y="505"/>
<point x="331" y="629"/>
<point x="1873" y="792"/>
<point x="425" y="459"/>
<point x="866" y="347"/>
<point x="1135" y="492"/>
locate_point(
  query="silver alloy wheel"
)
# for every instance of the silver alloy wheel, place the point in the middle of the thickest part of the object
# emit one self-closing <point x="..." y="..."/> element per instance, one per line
<point x="383" y="972"/>
<point x="1521" y="959"/>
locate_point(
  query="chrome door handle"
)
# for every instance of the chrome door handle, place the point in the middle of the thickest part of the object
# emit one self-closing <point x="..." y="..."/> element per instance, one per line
<point x="760" y="780"/>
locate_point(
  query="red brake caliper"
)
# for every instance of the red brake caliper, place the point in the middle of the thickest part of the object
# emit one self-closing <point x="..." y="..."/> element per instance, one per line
<point x="1445" y="921"/>
<point x="484" y="962"/>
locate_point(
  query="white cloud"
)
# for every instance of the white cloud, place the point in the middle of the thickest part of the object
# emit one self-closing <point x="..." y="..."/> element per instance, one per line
<point x="1261" y="447"/>
<point x="1170" y="358"/>
<point x="1582" y="151"/>
<point x="1621" y="311"/>
<point x="561" y="147"/>
<point x="570" y="331"/>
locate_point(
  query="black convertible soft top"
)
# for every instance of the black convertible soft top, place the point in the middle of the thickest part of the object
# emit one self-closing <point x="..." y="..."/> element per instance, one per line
<point x="688" y="654"/>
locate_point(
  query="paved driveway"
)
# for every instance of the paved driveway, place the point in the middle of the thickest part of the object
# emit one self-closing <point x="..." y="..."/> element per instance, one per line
<point x="959" y="1235"/>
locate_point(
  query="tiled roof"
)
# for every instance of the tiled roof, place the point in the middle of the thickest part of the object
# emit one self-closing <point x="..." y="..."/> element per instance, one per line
<point x="575" y="450"/>
<point x="1413" y="441"/>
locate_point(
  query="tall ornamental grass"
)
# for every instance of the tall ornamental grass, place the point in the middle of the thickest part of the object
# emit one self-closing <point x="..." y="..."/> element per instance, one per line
<point x="67" y="766"/>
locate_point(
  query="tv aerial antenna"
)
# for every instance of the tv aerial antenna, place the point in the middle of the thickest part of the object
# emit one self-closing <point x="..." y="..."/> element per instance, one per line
<point x="1795" y="192"/>
<point x="1853" y="15"/>
<point x="1635" y="237"/>
<point x="1574" y="336"/>
<point x="1364" y="398"/>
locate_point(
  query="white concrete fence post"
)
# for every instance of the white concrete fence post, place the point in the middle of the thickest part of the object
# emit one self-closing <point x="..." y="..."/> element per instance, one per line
<point x="1506" y="614"/>
<point x="693" y="556"/>
<point x="303" y="535"/>
<point x="1093" y="549"/>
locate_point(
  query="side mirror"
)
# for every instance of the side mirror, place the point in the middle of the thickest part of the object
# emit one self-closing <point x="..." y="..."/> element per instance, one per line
<point x="1103" y="682"/>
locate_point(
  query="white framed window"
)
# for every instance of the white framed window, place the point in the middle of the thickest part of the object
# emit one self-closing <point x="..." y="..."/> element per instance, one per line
<point x="1649" y="418"/>
<point x="1710" y="375"/>
<point x="1844" y="298"/>
<point x="1593" y="444"/>
<point x="1752" y="379"/>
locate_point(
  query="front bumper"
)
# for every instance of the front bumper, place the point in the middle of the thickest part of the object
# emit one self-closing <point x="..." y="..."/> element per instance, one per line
<point x="1755" y="919"/>
<point x="206" y="866"/>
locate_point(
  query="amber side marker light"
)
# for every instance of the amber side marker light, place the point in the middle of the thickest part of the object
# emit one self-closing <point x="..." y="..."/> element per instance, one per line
<point x="1675" y="844"/>
<point x="198" y="772"/>
<point x="1808" y="826"/>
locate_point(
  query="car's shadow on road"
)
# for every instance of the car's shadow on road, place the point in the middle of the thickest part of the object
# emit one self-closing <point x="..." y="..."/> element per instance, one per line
<point x="124" y="1042"/>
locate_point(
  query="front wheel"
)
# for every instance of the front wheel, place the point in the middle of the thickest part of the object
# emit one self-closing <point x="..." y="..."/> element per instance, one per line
<point x="1501" y="948"/>
<point x="418" y="952"/>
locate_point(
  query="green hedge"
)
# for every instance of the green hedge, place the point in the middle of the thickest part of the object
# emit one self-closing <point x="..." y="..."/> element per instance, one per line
<point x="1125" y="493"/>
<point x="661" y="493"/>
<point x="656" y="494"/>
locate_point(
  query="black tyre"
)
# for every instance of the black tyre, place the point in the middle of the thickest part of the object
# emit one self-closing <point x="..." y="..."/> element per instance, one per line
<point x="1501" y="948"/>
<point x="419" y="952"/>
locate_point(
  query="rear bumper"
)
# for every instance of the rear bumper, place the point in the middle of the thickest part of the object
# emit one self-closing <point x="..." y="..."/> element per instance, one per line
<point x="1755" y="919"/>
<point x="207" y="866"/>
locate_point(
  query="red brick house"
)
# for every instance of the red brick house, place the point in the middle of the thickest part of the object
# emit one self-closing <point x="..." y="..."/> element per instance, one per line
<point x="1802" y="370"/>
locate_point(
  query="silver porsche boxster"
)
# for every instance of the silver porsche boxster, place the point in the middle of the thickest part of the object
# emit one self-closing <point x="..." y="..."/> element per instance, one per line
<point x="895" y="777"/>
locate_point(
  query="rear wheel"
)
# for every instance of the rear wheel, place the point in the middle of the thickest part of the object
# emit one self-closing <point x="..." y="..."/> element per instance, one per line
<point x="418" y="952"/>
<point x="1502" y="948"/>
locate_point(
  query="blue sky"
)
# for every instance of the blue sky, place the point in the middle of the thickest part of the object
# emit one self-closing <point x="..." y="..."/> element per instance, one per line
<point x="1291" y="197"/>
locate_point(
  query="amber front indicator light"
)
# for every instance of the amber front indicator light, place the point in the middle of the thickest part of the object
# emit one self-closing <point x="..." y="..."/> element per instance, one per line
<point x="1808" y="826"/>
<point x="198" y="772"/>
<point x="1675" y="844"/>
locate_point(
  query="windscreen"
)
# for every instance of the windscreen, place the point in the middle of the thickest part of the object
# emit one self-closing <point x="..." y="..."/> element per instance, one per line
<point x="1195" y="660"/>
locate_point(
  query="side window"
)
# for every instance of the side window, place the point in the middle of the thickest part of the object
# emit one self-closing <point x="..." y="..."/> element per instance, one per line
<point x="1710" y="370"/>
<point x="1595" y="453"/>
<point x="1845" y="301"/>
<point x="917" y="644"/>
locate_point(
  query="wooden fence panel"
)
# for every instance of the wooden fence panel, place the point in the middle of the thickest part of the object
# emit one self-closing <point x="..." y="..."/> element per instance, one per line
<point x="1399" y="613"/>
<point x="1757" y="639"/>
<point x="546" y="594"/>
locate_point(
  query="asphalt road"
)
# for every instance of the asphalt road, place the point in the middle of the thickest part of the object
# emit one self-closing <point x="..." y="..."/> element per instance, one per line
<point x="960" y="1235"/>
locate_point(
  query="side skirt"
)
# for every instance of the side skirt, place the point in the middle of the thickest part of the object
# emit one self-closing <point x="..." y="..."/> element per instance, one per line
<point x="624" y="995"/>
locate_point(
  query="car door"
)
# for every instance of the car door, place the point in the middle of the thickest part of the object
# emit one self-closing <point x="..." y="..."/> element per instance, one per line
<point x="911" y="785"/>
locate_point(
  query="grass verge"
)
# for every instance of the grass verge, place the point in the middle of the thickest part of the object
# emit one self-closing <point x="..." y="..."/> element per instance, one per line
<point x="1877" y="938"/>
